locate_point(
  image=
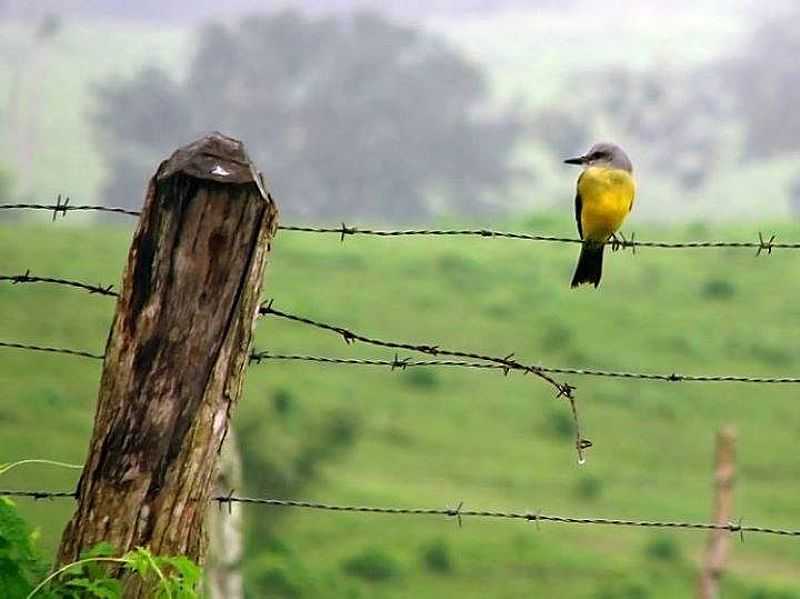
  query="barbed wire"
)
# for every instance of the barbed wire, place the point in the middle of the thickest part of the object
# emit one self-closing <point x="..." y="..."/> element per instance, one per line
<point x="489" y="362"/>
<point x="62" y="206"/>
<point x="458" y="513"/>
<point x="763" y="244"/>
<point x="563" y="389"/>
<point x="508" y="362"/>
<point x="503" y="363"/>
<point x="52" y="350"/>
<point x="28" y="278"/>
<point x="402" y="363"/>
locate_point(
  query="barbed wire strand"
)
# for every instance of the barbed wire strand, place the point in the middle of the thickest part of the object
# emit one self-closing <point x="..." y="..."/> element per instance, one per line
<point x="402" y="363"/>
<point x="502" y="364"/>
<point x="459" y="513"/>
<point x="399" y="363"/>
<point x="28" y="278"/>
<point x="62" y="206"/>
<point x="508" y="362"/>
<point x="52" y="350"/>
<point x="763" y="244"/>
<point x="564" y="390"/>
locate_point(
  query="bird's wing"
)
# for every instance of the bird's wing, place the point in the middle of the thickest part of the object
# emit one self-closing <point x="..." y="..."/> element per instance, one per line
<point x="579" y="207"/>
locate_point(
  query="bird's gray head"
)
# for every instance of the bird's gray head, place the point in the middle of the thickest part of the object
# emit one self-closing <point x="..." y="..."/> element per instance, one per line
<point x="604" y="155"/>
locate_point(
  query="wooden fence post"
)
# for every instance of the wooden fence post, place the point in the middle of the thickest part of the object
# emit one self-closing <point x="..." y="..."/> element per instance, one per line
<point x="175" y="356"/>
<point x="225" y="531"/>
<point x="718" y="540"/>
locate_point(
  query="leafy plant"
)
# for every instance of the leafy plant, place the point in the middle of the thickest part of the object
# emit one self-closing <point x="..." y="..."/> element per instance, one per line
<point x="20" y="564"/>
<point x="172" y="577"/>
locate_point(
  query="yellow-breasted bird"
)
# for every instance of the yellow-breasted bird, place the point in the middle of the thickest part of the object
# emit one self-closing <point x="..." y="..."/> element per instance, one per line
<point x="606" y="189"/>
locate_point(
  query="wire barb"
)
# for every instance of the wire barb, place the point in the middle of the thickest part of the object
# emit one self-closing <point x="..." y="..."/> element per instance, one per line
<point x="456" y="513"/>
<point x="765" y="244"/>
<point x="60" y="208"/>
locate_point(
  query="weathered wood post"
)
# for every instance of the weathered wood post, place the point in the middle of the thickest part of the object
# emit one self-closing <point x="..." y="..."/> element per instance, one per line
<point x="176" y="355"/>
<point x="718" y="540"/>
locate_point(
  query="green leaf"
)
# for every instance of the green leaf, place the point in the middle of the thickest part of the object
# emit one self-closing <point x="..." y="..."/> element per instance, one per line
<point x="186" y="568"/>
<point x="102" y="549"/>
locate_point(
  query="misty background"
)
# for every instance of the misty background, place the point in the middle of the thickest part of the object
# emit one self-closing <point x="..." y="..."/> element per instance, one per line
<point x="450" y="111"/>
<point x="409" y="111"/>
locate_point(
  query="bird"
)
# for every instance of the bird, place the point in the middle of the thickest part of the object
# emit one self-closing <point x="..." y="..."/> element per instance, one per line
<point x="604" y="198"/>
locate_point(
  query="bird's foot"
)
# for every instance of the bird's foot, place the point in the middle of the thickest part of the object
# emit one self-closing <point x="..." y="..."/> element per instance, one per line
<point x="620" y="242"/>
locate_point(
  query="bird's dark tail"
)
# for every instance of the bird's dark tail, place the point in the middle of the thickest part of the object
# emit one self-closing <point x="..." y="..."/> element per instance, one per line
<point x="590" y="265"/>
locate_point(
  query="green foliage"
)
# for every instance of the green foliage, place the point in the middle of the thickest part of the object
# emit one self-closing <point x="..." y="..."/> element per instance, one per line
<point x="719" y="289"/>
<point x="436" y="557"/>
<point x="626" y="588"/>
<point x="168" y="577"/>
<point x="176" y="577"/>
<point x="420" y="378"/>
<point x="23" y="572"/>
<point x="372" y="564"/>
<point x="560" y="424"/>
<point x="283" y="402"/>
<point x="20" y="563"/>
<point x="277" y="571"/>
<point x="663" y="548"/>
<point x="589" y="487"/>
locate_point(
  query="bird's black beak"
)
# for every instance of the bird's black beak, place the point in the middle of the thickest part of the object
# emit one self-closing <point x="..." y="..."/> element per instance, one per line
<point x="579" y="160"/>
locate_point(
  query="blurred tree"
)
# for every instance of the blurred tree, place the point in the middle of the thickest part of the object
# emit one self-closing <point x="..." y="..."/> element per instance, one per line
<point x="679" y="117"/>
<point x="764" y="81"/>
<point x="349" y="117"/>
<point x="794" y="197"/>
<point x="28" y="70"/>
<point x="6" y="181"/>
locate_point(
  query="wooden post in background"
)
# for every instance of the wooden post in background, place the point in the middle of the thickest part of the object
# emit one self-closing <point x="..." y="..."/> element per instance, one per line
<point x="225" y="532"/>
<point x="719" y="540"/>
<point x="176" y="355"/>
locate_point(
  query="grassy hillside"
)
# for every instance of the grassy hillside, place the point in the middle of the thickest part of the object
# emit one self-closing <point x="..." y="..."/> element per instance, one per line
<point x="434" y="438"/>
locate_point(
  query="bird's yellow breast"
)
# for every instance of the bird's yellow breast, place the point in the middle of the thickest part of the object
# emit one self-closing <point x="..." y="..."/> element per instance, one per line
<point x="606" y="199"/>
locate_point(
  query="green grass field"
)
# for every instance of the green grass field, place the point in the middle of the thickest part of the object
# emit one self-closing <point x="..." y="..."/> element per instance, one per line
<point x="437" y="437"/>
